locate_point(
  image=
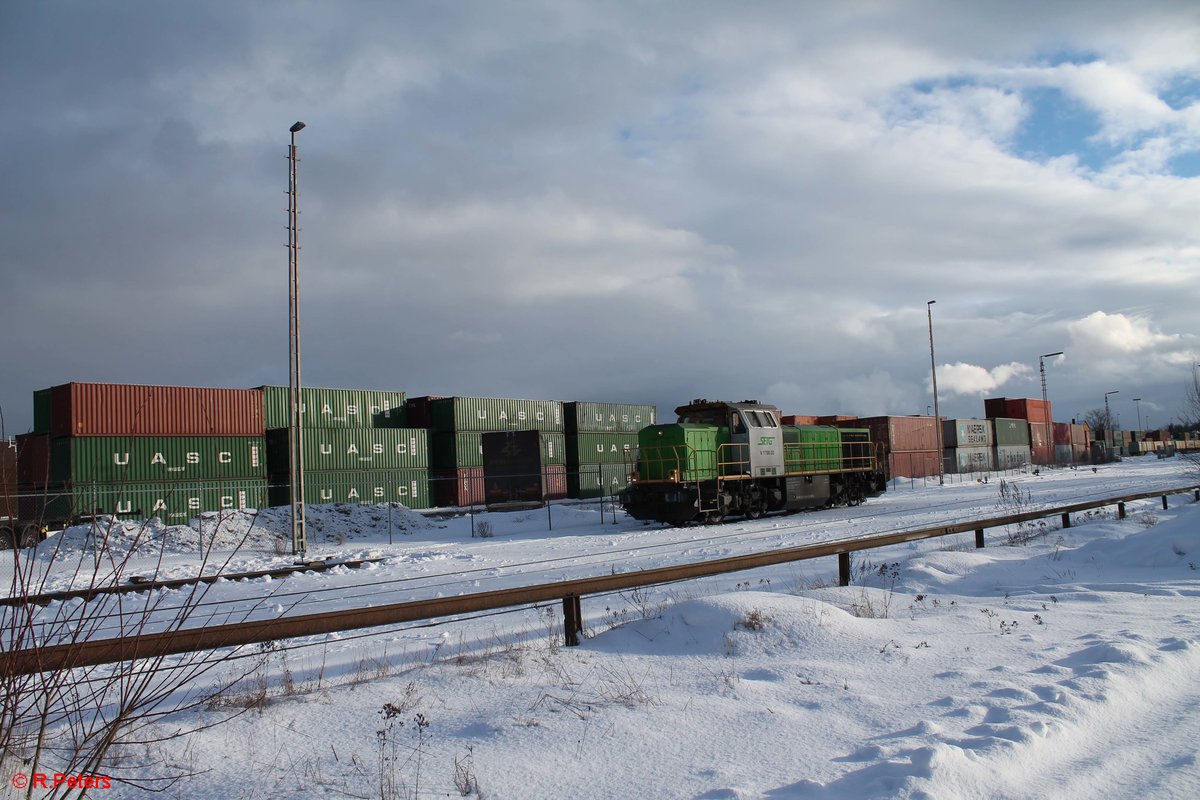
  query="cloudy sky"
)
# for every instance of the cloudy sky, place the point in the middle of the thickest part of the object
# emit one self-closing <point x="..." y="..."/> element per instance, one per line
<point x="617" y="201"/>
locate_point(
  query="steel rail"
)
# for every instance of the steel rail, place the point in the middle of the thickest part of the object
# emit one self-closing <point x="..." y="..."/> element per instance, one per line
<point x="140" y="584"/>
<point x="186" y="640"/>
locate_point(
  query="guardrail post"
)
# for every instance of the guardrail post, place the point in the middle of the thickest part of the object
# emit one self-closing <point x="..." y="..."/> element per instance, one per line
<point x="1120" y="511"/>
<point x="1197" y="495"/>
<point x="1164" y="502"/>
<point x="979" y="538"/>
<point x="1066" y="520"/>
<point x="843" y="569"/>
<point x="572" y="620"/>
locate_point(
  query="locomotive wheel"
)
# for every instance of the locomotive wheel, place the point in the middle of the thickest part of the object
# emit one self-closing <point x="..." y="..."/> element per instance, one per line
<point x="714" y="518"/>
<point x="754" y="510"/>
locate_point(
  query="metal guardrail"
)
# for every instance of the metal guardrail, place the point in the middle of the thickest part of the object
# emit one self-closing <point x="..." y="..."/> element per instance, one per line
<point x="152" y="645"/>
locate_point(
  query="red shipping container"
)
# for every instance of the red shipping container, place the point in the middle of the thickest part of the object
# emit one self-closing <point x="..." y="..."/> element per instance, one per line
<point x="8" y="478"/>
<point x="554" y="482"/>
<point x="798" y="419"/>
<point x="914" y="464"/>
<point x="113" y="409"/>
<point x="33" y="460"/>
<point x="457" y="487"/>
<point x="1025" y="408"/>
<point x="834" y="419"/>
<point x="901" y="434"/>
<point x="1062" y="433"/>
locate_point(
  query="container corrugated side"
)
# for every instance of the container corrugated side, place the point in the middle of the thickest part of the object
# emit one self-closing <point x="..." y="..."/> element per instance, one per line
<point x="1012" y="456"/>
<point x="588" y="481"/>
<point x="33" y="460"/>
<point x="967" y="433"/>
<point x="335" y="408"/>
<point x="600" y="448"/>
<point x="900" y="434"/>
<point x="588" y="417"/>
<point x="409" y="487"/>
<point x="42" y="409"/>
<point x="484" y="414"/>
<point x="964" y="460"/>
<point x="1011" y="432"/>
<point x="110" y="409"/>
<point x="458" y="487"/>
<point x="8" y="478"/>
<point x="112" y="459"/>
<point x="174" y="502"/>
<point x="914" y="463"/>
<point x="448" y="450"/>
<point x="327" y="449"/>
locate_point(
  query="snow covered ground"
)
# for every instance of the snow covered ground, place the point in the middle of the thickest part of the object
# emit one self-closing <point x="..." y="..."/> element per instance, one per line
<point x="1052" y="663"/>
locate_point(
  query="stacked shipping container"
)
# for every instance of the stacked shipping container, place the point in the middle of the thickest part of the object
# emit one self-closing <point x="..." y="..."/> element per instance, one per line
<point x="968" y="445"/>
<point x="353" y="446"/>
<point x="141" y="451"/>
<point x="1036" y="413"/>
<point x="601" y="445"/>
<point x="909" y="444"/>
<point x="456" y="428"/>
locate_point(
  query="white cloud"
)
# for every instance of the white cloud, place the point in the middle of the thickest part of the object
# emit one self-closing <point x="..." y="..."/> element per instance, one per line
<point x="969" y="379"/>
<point x="1104" y="334"/>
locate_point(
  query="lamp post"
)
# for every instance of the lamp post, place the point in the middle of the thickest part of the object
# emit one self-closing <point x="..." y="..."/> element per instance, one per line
<point x="295" y="419"/>
<point x="937" y="417"/>
<point x="1137" y="401"/>
<point x="1045" y="400"/>
<point x="1108" y="414"/>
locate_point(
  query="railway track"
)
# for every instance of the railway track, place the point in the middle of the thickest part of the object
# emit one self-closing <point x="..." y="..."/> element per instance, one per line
<point x="50" y="655"/>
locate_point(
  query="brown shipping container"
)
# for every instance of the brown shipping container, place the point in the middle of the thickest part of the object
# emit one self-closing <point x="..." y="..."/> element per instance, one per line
<point x="33" y="460"/>
<point x="834" y="419"/>
<point x="914" y="464"/>
<point x="1039" y="435"/>
<point x="901" y="434"/>
<point x="1062" y="434"/>
<point x="798" y="419"/>
<point x="109" y="409"/>
<point x="8" y="478"/>
<point x="418" y="411"/>
<point x="1025" y="408"/>
<point x="457" y="487"/>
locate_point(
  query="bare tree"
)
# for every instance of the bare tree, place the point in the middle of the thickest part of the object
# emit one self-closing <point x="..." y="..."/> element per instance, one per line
<point x="1101" y="421"/>
<point x="87" y="723"/>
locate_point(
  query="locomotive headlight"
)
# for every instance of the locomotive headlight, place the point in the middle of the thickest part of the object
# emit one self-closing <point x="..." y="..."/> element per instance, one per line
<point x="632" y="477"/>
<point x="673" y="476"/>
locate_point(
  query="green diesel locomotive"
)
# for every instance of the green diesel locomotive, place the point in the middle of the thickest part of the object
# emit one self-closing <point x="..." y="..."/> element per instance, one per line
<point x="735" y="459"/>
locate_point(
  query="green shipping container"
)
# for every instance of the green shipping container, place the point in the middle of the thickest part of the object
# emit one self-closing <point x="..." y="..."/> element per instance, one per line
<point x="175" y="503"/>
<point x="581" y="417"/>
<point x="464" y="450"/>
<point x="327" y="449"/>
<point x="600" y="448"/>
<point x="679" y="451"/>
<point x="115" y="459"/>
<point x="596" y="480"/>
<point x="334" y="408"/>
<point x="1011" y="432"/>
<point x="484" y="414"/>
<point x="42" y="410"/>
<point x="409" y="487"/>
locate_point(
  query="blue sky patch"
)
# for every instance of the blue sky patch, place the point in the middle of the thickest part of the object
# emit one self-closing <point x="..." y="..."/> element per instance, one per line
<point x="1059" y="125"/>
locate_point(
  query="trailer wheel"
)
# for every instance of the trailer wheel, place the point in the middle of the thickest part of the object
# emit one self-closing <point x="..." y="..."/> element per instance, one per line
<point x="6" y="537"/>
<point x="31" y="535"/>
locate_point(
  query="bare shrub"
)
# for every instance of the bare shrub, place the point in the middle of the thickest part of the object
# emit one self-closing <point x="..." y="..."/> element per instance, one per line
<point x="483" y="529"/>
<point x="97" y="720"/>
